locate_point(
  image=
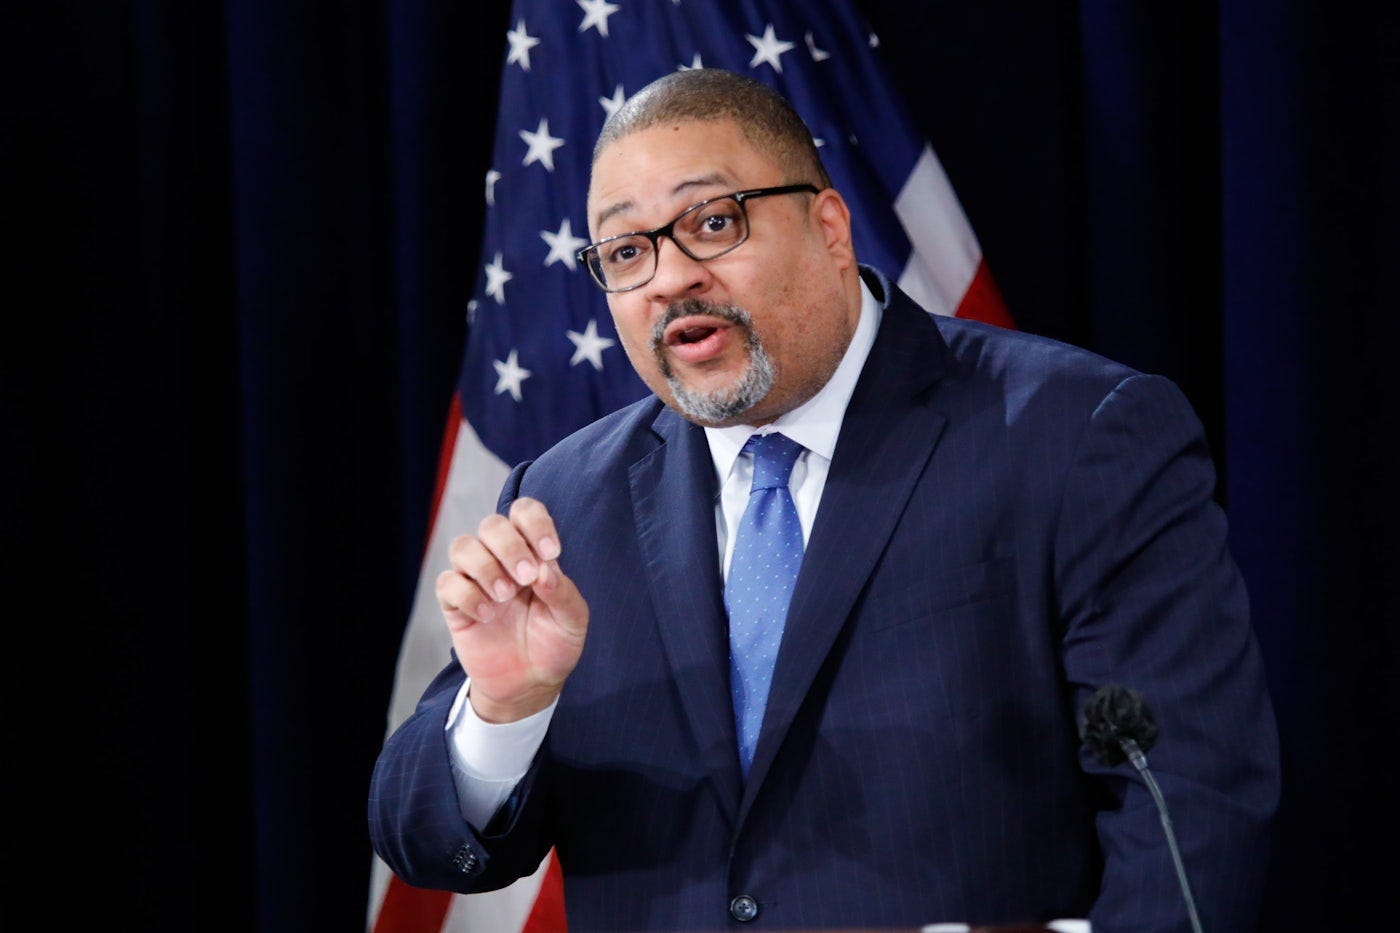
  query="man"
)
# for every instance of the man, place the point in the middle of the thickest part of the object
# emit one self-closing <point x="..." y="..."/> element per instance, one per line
<point x="989" y="526"/>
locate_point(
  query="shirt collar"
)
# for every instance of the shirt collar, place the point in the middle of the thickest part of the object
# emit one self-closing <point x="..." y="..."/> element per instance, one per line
<point x="816" y="423"/>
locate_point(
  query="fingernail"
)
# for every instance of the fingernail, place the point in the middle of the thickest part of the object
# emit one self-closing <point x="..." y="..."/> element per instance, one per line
<point x="486" y="612"/>
<point x="525" y="573"/>
<point x="503" y="590"/>
<point x="548" y="548"/>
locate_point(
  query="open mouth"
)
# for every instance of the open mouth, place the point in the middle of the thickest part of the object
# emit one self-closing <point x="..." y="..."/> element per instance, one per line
<point x="697" y="339"/>
<point x="692" y="334"/>
<point x="690" y="329"/>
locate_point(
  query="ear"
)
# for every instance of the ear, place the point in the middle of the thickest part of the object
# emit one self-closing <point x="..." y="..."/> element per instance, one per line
<point x="833" y="219"/>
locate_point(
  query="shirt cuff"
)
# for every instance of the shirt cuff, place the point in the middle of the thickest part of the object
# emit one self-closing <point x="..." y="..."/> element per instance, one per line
<point x="489" y="759"/>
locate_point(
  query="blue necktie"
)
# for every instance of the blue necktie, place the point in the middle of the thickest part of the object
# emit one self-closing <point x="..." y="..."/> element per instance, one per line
<point x="762" y="572"/>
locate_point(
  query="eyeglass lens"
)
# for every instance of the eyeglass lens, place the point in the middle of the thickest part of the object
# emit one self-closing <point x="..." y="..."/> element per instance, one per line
<point x="703" y="232"/>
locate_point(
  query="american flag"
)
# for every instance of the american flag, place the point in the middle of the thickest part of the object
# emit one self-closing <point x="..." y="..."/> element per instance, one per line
<point x="542" y="357"/>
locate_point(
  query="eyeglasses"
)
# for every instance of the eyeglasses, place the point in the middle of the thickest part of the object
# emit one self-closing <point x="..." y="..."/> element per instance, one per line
<point x="702" y="231"/>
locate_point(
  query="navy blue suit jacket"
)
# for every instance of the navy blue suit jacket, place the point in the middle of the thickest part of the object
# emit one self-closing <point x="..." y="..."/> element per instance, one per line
<point x="1008" y="523"/>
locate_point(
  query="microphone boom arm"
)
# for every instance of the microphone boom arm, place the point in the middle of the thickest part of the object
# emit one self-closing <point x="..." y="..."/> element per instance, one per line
<point x="1118" y="724"/>
<point x="1139" y="760"/>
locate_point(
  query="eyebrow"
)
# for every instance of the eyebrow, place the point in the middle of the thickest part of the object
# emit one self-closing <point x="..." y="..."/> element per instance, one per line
<point x="622" y="206"/>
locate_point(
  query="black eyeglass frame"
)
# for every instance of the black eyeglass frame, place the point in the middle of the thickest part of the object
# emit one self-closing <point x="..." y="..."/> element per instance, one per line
<point x="739" y="197"/>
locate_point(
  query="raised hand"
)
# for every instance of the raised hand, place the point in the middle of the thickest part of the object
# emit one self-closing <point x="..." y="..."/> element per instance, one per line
<point x="517" y="622"/>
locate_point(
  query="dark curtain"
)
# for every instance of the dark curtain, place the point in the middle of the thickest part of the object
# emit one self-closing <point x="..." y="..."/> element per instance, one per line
<point x="1210" y="191"/>
<point x="247" y="235"/>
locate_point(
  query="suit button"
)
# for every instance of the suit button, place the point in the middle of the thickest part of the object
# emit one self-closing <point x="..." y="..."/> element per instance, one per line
<point x="464" y="860"/>
<point x="743" y="908"/>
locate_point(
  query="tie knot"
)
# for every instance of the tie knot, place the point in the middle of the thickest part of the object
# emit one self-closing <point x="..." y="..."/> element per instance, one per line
<point x="773" y="457"/>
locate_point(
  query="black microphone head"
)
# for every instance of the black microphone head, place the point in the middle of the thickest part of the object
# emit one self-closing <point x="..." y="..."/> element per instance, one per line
<point x="1112" y="714"/>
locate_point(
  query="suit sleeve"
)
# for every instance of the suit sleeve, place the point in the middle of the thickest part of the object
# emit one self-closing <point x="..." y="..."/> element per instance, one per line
<point x="415" y="819"/>
<point x="1151" y="599"/>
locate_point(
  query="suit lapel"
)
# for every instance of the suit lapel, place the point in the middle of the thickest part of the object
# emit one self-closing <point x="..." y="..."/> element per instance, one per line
<point x="887" y="437"/>
<point x="673" y="492"/>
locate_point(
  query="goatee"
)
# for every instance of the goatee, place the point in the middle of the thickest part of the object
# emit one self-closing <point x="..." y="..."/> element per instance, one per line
<point x="725" y="405"/>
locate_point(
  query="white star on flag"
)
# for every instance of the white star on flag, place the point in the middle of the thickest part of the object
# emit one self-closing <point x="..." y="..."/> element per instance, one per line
<point x="509" y="375"/>
<point x="492" y="176"/>
<point x="596" y="13"/>
<point x="521" y="43"/>
<point x="541" y="144"/>
<point x="694" y="63"/>
<point x="496" y="279"/>
<point x="589" y="346"/>
<point x="817" y="54"/>
<point x="767" y="49"/>
<point x="610" y="104"/>
<point x="563" y="245"/>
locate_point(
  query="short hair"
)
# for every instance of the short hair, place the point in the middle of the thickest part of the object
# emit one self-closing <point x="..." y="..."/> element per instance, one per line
<point x="763" y="115"/>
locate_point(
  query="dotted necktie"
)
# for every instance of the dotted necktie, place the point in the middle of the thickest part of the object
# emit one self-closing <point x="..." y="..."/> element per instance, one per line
<point x="762" y="572"/>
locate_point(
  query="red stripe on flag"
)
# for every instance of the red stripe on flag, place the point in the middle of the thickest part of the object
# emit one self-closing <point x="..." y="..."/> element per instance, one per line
<point x="982" y="300"/>
<point x="547" y="916"/>
<point x="449" y="443"/>
<point x="407" y="909"/>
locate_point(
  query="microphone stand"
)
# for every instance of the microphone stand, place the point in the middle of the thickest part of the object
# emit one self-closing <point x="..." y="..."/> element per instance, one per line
<point x="1139" y="760"/>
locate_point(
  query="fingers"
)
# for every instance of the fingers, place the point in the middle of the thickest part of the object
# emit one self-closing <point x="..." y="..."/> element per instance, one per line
<point x="462" y="601"/>
<point x="506" y="553"/>
<point x="562" y="597"/>
<point x="537" y="525"/>
<point x="507" y="575"/>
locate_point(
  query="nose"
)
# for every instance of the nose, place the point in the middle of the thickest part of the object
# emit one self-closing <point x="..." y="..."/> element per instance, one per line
<point x="677" y="275"/>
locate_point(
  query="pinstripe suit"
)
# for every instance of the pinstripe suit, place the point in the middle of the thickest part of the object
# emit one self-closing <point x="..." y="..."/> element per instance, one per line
<point x="1007" y="524"/>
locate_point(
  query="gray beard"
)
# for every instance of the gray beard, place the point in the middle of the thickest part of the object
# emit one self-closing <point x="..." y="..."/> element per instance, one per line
<point x="721" y="406"/>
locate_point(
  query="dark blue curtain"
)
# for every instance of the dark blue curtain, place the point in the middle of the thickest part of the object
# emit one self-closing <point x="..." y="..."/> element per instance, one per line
<point x="251" y="232"/>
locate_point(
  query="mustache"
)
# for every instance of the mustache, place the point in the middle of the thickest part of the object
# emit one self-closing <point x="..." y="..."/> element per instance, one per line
<point x="688" y="307"/>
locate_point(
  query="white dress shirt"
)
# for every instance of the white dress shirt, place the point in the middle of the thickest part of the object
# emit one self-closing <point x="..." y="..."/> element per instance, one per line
<point x="489" y="759"/>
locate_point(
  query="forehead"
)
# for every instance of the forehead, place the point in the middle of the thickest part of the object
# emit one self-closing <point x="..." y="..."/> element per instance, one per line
<point x="669" y="166"/>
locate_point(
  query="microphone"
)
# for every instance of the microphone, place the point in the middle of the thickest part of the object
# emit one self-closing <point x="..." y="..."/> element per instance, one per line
<point x="1118" y="726"/>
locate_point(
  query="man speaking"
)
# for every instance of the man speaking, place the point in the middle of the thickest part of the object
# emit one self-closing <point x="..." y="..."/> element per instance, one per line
<point x="800" y="641"/>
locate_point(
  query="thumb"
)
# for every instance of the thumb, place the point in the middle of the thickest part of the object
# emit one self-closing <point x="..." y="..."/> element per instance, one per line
<point x="559" y="594"/>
